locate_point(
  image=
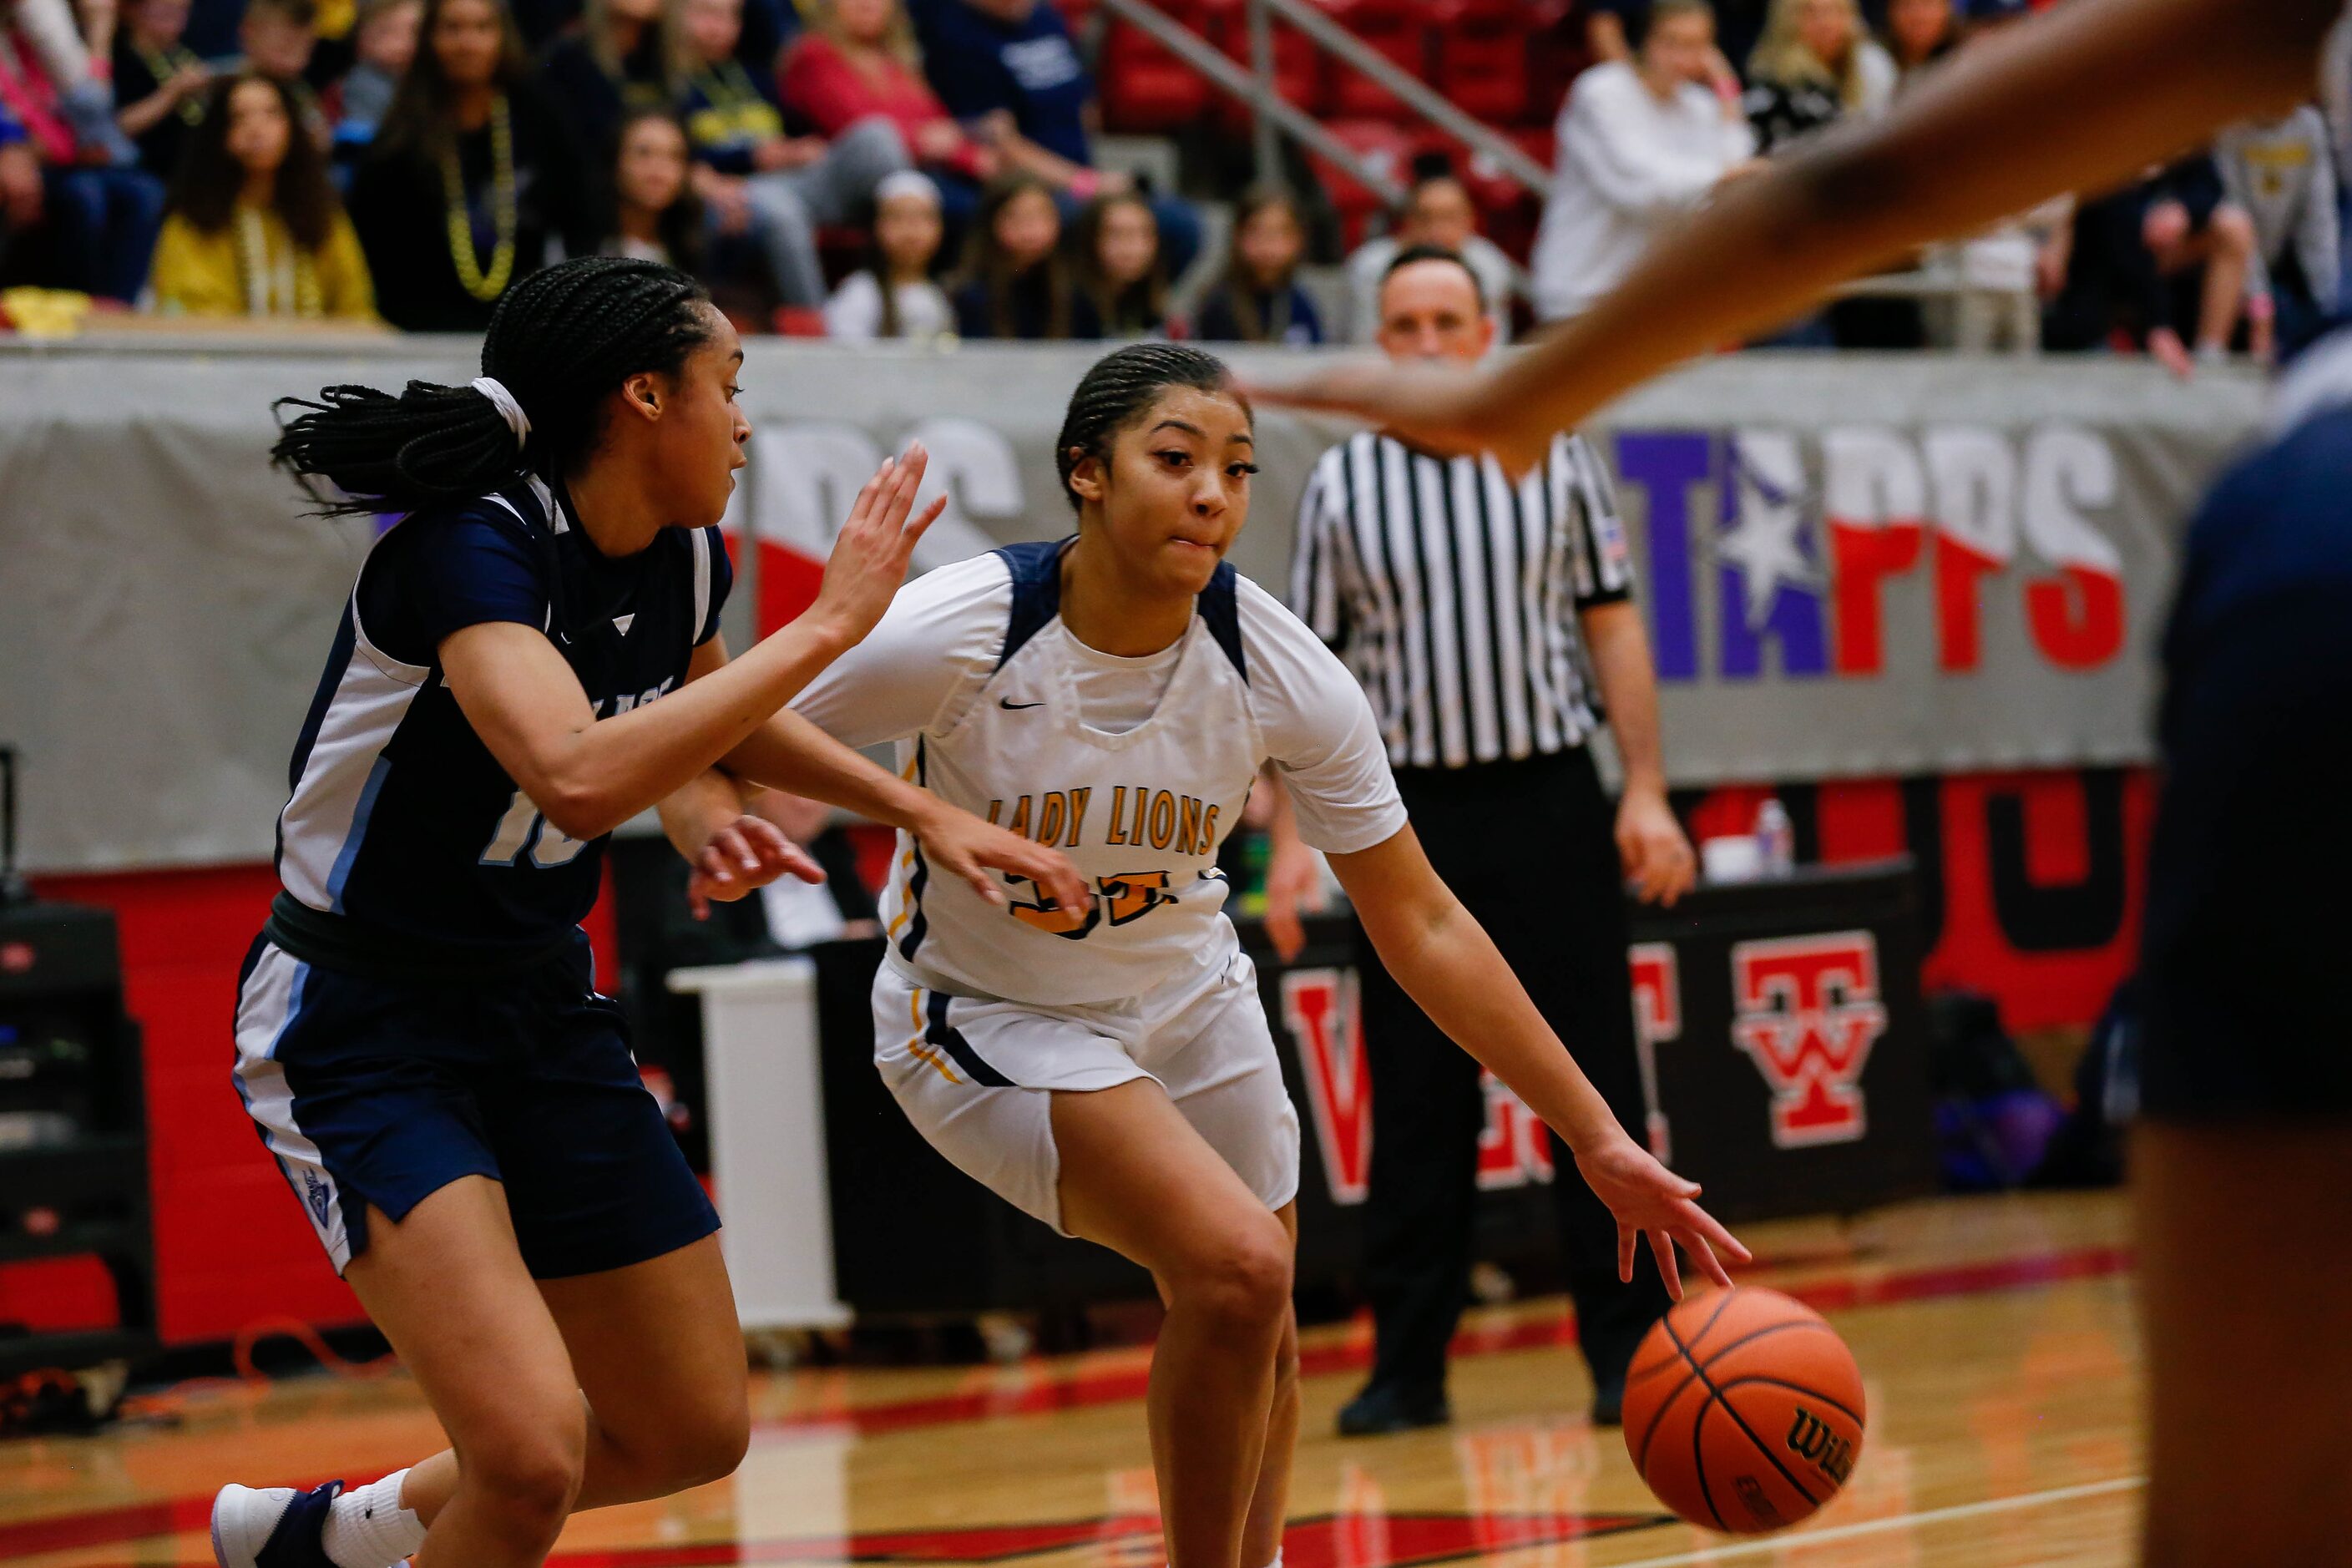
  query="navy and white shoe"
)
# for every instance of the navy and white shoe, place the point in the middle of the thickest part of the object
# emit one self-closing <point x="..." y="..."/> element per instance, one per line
<point x="271" y="1527"/>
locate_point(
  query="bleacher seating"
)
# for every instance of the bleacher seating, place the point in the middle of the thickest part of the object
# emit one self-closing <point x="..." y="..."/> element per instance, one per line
<point x="1507" y="63"/>
<point x="1146" y="89"/>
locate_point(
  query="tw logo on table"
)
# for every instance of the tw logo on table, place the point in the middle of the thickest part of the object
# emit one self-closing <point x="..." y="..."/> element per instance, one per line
<point x="1806" y="1010"/>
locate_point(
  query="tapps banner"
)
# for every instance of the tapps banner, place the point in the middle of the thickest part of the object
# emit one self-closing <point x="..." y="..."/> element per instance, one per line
<point x="1853" y="566"/>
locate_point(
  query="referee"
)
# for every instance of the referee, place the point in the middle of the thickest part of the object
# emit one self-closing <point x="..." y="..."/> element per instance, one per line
<point x="1479" y="613"/>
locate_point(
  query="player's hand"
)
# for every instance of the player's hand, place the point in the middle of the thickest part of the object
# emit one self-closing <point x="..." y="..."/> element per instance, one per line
<point x="869" y="556"/>
<point x="1293" y="882"/>
<point x="2164" y="345"/>
<point x="957" y="844"/>
<point x="1657" y="857"/>
<point x="1651" y="1201"/>
<point x="747" y="854"/>
<point x="1437" y="408"/>
<point x="2262" y="328"/>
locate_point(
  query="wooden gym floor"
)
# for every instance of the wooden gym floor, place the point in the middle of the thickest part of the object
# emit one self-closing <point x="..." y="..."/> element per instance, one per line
<point x="1995" y="1335"/>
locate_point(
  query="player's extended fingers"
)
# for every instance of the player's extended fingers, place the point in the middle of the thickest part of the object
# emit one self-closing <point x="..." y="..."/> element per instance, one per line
<point x="1662" y="1247"/>
<point x="771" y="849"/>
<point x="1282" y="928"/>
<point x="1051" y="870"/>
<point x="973" y="869"/>
<point x="698" y="897"/>
<point x="716" y="865"/>
<point x="1709" y="1228"/>
<point x="1704" y="1257"/>
<point x="795" y="861"/>
<point x="733" y="847"/>
<point x="929" y="515"/>
<point x="862" y="507"/>
<point x="1628" y="1241"/>
<point x="1360" y="387"/>
<point x="903" y="486"/>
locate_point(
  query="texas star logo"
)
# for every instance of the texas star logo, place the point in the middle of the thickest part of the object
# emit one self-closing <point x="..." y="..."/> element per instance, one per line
<point x="1807" y="1013"/>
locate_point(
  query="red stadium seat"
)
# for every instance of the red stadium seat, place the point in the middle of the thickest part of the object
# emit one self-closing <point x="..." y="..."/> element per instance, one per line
<point x="1556" y="53"/>
<point x="1387" y="147"/>
<point x="1397" y="28"/>
<point x="1481" y="57"/>
<point x="1145" y="89"/>
<point x="1298" y="64"/>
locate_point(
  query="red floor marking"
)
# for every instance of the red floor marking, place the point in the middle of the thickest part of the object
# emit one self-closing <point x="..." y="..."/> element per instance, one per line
<point x="139" y="1521"/>
<point x="1046" y="1390"/>
<point x="1331" y="1540"/>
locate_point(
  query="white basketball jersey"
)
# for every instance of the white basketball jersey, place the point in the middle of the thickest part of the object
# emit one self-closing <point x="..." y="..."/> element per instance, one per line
<point x="986" y="694"/>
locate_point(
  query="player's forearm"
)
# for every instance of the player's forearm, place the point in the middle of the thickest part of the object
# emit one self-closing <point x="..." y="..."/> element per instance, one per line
<point x="2074" y="100"/>
<point x="612" y="769"/>
<point x="691" y="815"/>
<point x="1451" y="970"/>
<point x="1629" y="691"/>
<point x="791" y="755"/>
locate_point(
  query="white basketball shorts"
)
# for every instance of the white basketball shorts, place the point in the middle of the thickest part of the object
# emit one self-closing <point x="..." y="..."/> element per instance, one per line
<point x="977" y="1075"/>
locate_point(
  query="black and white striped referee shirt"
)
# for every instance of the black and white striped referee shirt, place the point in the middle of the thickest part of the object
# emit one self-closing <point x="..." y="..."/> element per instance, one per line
<point x="1453" y="593"/>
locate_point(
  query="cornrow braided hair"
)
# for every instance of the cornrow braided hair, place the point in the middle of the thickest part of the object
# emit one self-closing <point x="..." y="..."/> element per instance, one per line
<point x="1121" y="388"/>
<point x="560" y="341"/>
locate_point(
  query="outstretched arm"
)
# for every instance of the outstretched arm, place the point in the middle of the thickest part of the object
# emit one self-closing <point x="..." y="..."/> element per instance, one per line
<point x="589" y="776"/>
<point x="2074" y="100"/>
<point x="791" y="753"/>
<point x="1450" y="967"/>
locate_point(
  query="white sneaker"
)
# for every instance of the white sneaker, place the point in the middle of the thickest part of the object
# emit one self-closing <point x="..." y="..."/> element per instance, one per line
<point x="271" y="1527"/>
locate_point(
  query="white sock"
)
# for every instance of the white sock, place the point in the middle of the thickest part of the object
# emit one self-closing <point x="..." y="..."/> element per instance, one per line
<point x="368" y="1528"/>
<point x="1277" y="1559"/>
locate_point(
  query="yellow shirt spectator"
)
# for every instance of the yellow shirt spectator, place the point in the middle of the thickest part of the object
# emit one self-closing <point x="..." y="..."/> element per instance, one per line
<point x="253" y="267"/>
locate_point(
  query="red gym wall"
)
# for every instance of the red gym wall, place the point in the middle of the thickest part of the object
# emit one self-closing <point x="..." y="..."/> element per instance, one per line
<point x="232" y="1247"/>
<point x="2030" y="888"/>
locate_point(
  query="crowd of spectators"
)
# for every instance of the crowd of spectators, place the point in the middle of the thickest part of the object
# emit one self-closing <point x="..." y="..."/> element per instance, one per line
<point x="406" y="161"/>
<point x="2235" y="249"/>
<point x="916" y="169"/>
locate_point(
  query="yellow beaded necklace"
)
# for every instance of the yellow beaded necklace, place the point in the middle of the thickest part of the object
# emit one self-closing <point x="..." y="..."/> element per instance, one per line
<point x="293" y="288"/>
<point x="484" y="286"/>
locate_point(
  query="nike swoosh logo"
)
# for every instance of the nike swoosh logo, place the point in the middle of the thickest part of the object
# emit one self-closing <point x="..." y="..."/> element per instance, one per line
<point x="1012" y="707"/>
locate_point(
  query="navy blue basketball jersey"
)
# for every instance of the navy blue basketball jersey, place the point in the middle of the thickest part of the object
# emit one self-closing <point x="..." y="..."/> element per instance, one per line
<point x="2250" y="870"/>
<point x="400" y="818"/>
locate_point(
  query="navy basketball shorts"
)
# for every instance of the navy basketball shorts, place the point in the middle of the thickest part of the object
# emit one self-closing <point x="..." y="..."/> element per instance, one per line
<point x="372" y="1091"/>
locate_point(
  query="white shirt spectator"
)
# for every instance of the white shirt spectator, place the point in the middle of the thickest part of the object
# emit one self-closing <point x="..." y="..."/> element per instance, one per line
<point x="854" y="311"/>
<point x="1628" y="163"/>
<point x="2283" y="177"/>
<point x="1370" y="265"/>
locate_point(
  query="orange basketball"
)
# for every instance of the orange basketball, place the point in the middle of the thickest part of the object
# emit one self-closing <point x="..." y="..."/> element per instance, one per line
<point x="1743" y="1411"/>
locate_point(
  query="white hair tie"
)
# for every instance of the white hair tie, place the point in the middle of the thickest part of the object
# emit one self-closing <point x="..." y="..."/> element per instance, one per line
<point x="509" y="409"/>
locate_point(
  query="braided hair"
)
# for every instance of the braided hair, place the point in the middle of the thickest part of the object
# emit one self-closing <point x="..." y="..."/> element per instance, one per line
<point x="560" y="341"/>
<point x="1121" y="388"/>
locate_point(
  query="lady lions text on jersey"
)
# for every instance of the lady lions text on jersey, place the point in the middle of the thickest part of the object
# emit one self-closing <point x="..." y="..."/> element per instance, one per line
<point x="1136" y="768"/>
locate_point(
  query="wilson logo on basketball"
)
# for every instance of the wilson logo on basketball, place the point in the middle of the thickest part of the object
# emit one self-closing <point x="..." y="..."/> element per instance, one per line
<point x="1810" y="1439"/>
<point x="1808" y="1012"/>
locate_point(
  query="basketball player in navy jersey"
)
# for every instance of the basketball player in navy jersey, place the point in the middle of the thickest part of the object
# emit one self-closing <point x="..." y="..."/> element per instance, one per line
<point x="529" y="659"/>
<point x="2242" y="1167"/>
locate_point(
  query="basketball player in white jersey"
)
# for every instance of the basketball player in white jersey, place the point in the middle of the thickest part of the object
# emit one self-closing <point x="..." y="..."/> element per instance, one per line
<point x="1107" y="1069"/>
<point x="2244" y="1155"/>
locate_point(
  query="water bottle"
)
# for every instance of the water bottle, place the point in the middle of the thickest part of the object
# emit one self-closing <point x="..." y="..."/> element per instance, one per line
<point x="1776" y="839"/>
